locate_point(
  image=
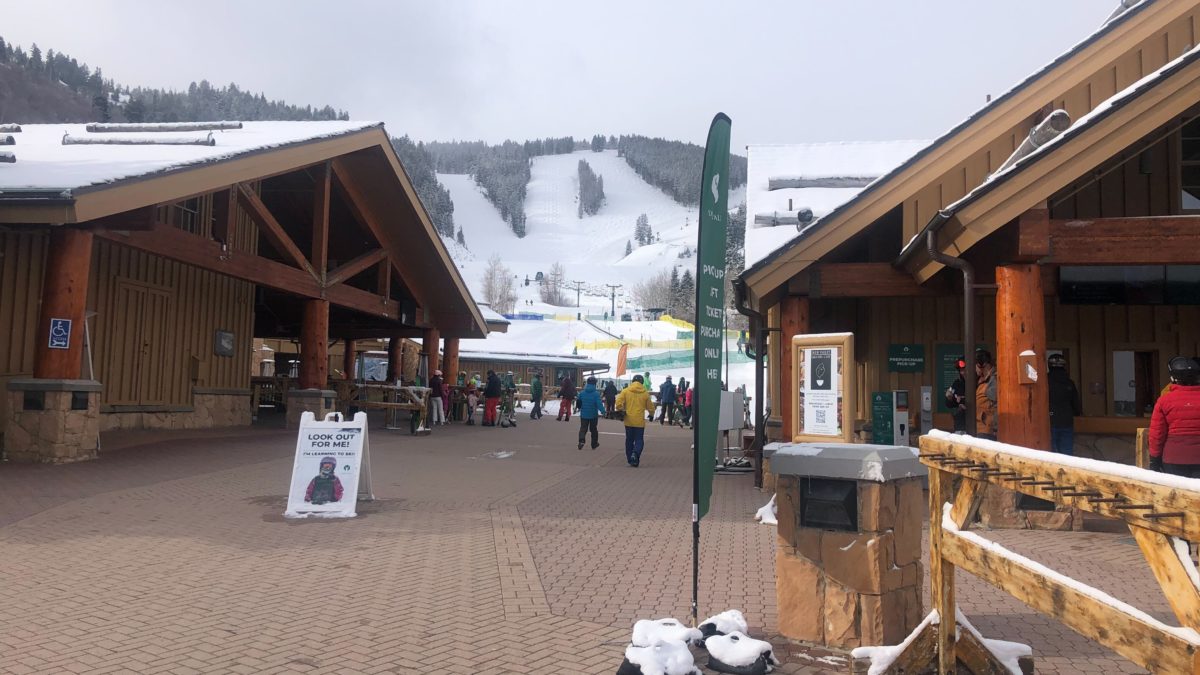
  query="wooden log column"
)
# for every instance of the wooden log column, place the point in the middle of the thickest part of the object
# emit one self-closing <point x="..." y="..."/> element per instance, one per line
<point x="395" y="359"/>
<point x="314" y="345"/>
<point x="349" y="359"/>
<point x="450" y="357"/>
<point x="430" y="341"/>
<point x="64" y="296"/>
<point x="793" y="317"/>
<point x="1021" y="326"/>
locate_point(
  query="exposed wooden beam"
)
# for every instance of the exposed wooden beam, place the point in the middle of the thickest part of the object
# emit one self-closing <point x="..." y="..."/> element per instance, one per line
<point x="175" y="244"/>
<point x="320" y="238"/>
<point x="224" y="215"/>
<point x="1033" y="235"/>
<point x="383" y="282"/>
<point x="272" y="230"/>
<point x="354" y="266"/>
<point x="863" y="280"/>
<point x="1166" y="240"/>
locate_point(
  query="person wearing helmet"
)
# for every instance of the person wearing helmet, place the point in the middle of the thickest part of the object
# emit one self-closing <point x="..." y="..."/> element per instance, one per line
<point x="437" y="414"/>
<point x="1175" y="423"/>
<point x="1065" y="405"/>
<point x="956" y="399"/>
<point x="325" y="487"/>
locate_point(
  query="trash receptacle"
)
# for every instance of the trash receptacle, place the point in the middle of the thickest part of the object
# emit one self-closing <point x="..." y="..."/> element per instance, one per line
<point x="848" y="563"/>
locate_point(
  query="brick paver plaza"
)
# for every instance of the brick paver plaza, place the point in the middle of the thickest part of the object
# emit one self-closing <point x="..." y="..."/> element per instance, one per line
<point x="172" y="556"/>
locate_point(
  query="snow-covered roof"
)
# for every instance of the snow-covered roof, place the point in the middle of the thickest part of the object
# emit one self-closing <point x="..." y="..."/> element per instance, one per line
<point x="553" y="359"/>
<point x="45" y="164"/>
<point x="490" y="315"/>
<point x="763" y="247"/>
<point x="1102" y="110"/>
<point x="813" y="161"/>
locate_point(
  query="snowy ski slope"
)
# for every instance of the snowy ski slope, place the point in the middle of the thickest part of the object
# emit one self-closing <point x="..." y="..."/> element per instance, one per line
<point x="592" y="249"/>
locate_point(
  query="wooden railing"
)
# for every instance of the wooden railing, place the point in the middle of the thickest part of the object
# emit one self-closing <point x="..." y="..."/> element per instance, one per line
<point x="1162" y="512"/>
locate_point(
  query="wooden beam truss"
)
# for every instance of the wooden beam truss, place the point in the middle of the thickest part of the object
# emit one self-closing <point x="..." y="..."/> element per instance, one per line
<point x="1161" y="517"/>
<point x="1164" y="240"/>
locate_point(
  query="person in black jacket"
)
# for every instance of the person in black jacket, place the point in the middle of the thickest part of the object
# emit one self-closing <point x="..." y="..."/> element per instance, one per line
<point x="491" y="395"/>
<point x="1065" y="405"/>
<point x="610" y="399"/>
<point x="956" y="399"/>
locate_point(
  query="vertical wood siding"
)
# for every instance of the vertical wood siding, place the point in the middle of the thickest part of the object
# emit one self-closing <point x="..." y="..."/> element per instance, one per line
<point x="156" y="323"/>
<point x="22" y="262"/>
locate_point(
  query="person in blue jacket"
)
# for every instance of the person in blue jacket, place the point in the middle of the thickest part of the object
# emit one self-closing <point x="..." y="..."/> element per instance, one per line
<point x="591" y="407"/>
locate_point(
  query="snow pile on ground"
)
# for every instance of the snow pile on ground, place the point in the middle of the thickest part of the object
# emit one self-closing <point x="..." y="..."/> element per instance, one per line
<point x="740" y="653"/>
<point x="647" y="632"/>
<point x="660" y="658"/>
<point x="883" y="657"/>
<point x="766" y="515"/>
<point x="726" y="622"/>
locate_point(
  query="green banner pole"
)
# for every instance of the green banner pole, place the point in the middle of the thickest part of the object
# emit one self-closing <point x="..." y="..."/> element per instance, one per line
<point x="709" y="340"/>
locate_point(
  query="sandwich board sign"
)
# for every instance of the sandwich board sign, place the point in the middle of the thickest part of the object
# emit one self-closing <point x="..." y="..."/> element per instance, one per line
<point x="332" y="469"/>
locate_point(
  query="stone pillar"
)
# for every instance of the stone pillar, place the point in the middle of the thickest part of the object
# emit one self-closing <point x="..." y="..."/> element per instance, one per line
<point x="793" y="317"/>
<point x="52" y="421"/>
<point x="450" y="357"/>
<point x="314" y="345"/>
<point x="430" y="341"/>
<point x="349" y="359"/>
<point x="64" y="299"/>
<point x="395" y="358"/>
<point x="860" y="584"/>
<point x="319" y="402"/>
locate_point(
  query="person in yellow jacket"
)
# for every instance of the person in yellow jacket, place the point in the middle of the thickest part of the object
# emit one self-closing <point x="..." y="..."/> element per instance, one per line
<point x="635" y="401"/>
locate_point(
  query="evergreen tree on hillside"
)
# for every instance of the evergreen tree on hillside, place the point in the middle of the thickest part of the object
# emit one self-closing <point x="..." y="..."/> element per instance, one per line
<point x="591" y="190"/>
<point x="462" y="241"/>
<point x="674" y="166"/>
<point x="673" y="306"/>
<point x="597" y="143"/>
<point x="735" y="243"/>
<point x="687" y="296"/>
<point x="436" y="199"/>
<point x="628" y="247"/>
<point x="641" y="231"/>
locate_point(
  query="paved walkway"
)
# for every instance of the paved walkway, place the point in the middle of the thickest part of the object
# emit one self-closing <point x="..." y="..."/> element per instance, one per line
<point x="170" y="555"/>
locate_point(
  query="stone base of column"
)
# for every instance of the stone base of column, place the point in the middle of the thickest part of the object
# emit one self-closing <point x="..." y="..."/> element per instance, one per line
<point x="52" y="421"/>
<point x="317" y="401"/>
<point x="1001" y="510"/>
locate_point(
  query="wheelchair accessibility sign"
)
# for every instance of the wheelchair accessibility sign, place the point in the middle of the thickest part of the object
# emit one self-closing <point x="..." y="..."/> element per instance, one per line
<point x="60" y="333"/>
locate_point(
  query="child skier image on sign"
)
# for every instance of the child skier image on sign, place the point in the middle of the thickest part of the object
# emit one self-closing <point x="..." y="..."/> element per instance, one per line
<point x="325" y="487"/>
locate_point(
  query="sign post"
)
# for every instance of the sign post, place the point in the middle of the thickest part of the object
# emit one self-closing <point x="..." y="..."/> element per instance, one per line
<point x="332" y="469"/>
<point x="709" y="341"/>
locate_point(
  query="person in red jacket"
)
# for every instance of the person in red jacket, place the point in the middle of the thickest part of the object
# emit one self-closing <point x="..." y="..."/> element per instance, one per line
<point x="1175" y="424"/>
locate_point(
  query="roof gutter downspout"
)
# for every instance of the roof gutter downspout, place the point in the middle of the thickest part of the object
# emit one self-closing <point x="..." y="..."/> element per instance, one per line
<point x="969" y="342"/>
<point x="758" y="332"/>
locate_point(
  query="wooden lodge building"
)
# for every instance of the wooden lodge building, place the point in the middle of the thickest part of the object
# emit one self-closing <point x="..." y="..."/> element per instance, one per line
<point x="1086" y="242"/>
<point x="138" y="263"/>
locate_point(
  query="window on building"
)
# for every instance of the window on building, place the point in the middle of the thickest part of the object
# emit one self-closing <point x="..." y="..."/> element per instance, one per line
<point x="1134" y="386"/>
<point x="1190" y="165"/>
<point x="1130" y="285"/>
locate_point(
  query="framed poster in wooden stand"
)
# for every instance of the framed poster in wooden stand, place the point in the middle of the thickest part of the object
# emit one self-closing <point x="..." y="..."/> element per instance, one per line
<point x="823" y="388"/>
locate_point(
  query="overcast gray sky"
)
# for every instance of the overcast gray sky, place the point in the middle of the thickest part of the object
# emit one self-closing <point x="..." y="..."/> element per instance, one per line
<point x="804" y="70"/>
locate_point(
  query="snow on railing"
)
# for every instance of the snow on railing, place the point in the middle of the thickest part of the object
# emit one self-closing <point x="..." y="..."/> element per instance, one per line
<point x="176" y="127"/>
<point x="68" y="139"/>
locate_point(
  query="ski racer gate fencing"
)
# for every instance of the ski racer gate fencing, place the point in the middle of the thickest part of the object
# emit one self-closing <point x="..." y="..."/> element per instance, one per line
<point x="1162" y="512"/>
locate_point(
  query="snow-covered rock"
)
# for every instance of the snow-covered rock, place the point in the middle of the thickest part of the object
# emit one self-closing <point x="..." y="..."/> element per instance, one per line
<point x="647" y="632"/>
<point x="661" y="658"/>
<point x="766" y="515"/>
<point x="740" y="654"/>
<point x="726" y="622"/>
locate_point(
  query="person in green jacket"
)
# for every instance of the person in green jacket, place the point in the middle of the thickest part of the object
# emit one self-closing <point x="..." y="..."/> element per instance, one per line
<point x="535" y="395"/>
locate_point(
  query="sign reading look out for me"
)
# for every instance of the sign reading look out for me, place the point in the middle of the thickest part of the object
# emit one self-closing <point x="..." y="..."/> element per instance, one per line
<point x="332" y="463"/>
